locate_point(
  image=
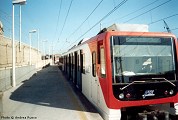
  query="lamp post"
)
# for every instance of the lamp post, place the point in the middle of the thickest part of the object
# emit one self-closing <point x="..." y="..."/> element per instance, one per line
<point x="38" y="40"/>
<point x="20" y="26"/>
<point x="38" y="49"/>
<point x="44" y="41"/>
<point x="14" y="2"/>
<point x="44" y="50"/>
<point x="32" y="31"/>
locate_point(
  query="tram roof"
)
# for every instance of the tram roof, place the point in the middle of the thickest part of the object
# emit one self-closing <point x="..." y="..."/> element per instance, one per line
<point x="126" y="27"/>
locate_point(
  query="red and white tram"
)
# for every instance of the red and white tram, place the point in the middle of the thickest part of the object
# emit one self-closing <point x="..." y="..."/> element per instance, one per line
<point x="125" y="66"/>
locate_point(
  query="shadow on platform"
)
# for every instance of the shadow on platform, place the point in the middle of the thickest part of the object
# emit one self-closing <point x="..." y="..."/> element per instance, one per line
<point x="49" y="88"/>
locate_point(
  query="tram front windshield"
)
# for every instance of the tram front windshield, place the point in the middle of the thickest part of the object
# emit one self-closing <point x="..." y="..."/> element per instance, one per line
<point x="136" y="58"/>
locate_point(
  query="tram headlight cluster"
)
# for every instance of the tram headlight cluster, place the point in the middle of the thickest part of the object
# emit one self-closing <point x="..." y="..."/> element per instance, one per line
<point x="169" y="92"/>
<point x="121" y="95"/>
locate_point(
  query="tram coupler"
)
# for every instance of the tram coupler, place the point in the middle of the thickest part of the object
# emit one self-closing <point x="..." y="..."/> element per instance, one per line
<point x="154" y="115"/>
<point x="142" y="116"/>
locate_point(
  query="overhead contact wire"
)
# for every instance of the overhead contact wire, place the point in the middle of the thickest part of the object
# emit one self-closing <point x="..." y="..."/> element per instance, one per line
<point x="86" y="19"/>
<point x="147" y="11"/>
<point x="113" y="10"/>
<point x="66" y="18"/>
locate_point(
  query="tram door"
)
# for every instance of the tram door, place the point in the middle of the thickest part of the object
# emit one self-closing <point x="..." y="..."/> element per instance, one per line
<point x="79" y="70"/>
<point x="69" y="63"/>
<point x="94" y="78"/>
<point x="75" y="68"/>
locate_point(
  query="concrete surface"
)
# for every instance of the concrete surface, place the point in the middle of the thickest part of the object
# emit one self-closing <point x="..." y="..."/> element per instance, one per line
<point x="22" y="73"/>
<point x="1" y="106"/>
<point x="47" y="96"/>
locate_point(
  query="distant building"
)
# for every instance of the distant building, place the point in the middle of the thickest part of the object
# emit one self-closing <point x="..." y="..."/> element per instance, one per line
<point x="1" y="28"/>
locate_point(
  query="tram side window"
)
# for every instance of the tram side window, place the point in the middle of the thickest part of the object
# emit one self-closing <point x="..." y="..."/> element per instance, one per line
<point x="83" y="62"/>
<point x="78" y="63"/>
<point x="102" y="62"/>
<point x="94" y="64"/>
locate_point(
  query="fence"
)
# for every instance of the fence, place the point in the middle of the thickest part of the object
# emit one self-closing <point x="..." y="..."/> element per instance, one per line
<point x="22" y="54"/>
<point x="23" y="69"/>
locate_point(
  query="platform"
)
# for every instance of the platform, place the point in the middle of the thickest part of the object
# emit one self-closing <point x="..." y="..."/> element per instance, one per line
<point x="47" y="95"/>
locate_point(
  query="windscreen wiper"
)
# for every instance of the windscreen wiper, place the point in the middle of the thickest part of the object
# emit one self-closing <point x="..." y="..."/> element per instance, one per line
<point x="147" y="81"/>
<point x="131" y="84"/>
<point x="165" y="80"/>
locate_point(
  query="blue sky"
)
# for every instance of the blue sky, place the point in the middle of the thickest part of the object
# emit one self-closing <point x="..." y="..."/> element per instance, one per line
<point x="47" y="17"/>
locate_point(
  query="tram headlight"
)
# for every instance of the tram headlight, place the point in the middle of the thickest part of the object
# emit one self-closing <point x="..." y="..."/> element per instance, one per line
<point x="166" y="92"/>
<point x="121" y="96"/>
<point x="128" y="95"/>
<point x="171" y="92"/>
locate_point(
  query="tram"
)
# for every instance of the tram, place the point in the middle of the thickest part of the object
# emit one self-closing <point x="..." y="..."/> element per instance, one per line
<point x="125" y="66"/>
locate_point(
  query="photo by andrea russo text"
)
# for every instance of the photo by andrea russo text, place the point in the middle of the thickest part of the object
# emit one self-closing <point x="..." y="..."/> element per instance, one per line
<point x="18" y="118"/>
